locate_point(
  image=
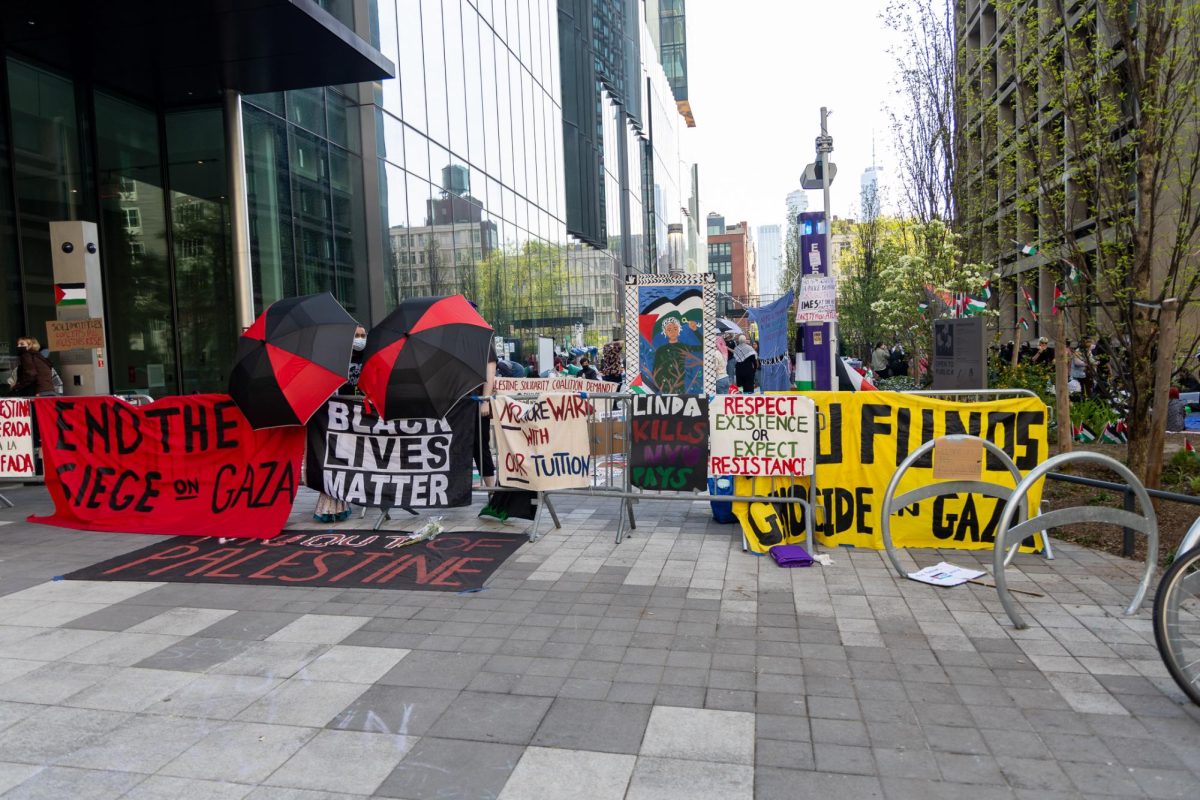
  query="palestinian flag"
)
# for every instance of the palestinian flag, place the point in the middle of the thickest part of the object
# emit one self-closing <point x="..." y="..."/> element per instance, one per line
<point x="1029" y="299"/>
<point x="1060" y="300"/>
<point x="987" y="290"/>
<point x="1187" y="447"/>
<point x="70" y="294"/>
<point x="1107" y="436"/>
<point x="1121" y="430"/>
<point x="1023" y="323"/>
<point x="1083" y="434"/>
<point x="1029" y="250"/>
<point x="974" y="306"/>
<point x="857" y="380"/>
<point x="1073" y="276"/>
<point x="805" y="380"/>
<point x="638" y="386"/>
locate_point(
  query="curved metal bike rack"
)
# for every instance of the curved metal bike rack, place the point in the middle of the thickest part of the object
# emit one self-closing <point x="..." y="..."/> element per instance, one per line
<point x="1190" y="539"/>
<point x="1147" y="523"/>
<point x="947" y="487"/>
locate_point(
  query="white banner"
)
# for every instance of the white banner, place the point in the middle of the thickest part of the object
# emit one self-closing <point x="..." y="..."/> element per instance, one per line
<point x="16" y="439"/>
<point x="544" y="385"/>
<point x="764" y="435"/>
<point x="543" y="444"/>
<point x="817" y="301"/>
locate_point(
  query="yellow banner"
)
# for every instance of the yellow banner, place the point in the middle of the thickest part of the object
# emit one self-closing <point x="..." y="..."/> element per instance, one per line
<point x="866" y="436"/>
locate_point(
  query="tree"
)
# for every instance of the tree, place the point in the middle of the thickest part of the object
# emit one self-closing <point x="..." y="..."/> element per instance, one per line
<point x="858" y="324"/>
<point x="1109" y="176"/>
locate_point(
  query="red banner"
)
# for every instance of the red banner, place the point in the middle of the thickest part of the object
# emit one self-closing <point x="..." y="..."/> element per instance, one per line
<point x="182" y="465"/>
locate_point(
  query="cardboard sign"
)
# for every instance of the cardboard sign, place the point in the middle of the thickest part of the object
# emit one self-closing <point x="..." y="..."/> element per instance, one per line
<point x="182" y="465"/>
<point x="669" y="440"/>
<point x="16" y="439"/>
<point x="74" y="334"/>
<point x="818" y="299"/>
<point x="766" y="435"/>
<point x="956" y="460"/>
<point x="401" y="463"/>
<point x="543" y="444"/>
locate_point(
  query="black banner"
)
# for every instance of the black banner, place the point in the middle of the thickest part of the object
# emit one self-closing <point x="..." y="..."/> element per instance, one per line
<point x="402" y="463"/>
<point x="669" y="443"/>
<point x="451" y="562"/>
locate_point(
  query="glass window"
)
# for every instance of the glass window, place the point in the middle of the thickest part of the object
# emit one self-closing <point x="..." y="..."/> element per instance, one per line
<point x="133" y="239"/>
<point x="311" y="213"/>
<point x="269" y="202"/>
<point x="349" y="228"/>
<point x="474" y="86"/>
<point x="343" y="121"/>
<point x="46" y="171"/>
<point x="456" y="87"/>
<point x="435" y="70"/>
<point x="11" y="308"/>
<point x="196" y="171"/>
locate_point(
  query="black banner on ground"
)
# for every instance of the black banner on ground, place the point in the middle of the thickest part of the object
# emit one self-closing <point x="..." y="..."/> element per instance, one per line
<point x="347" y="559"/>
<point x="402" y="463"/>
<point x="669" y="443"/>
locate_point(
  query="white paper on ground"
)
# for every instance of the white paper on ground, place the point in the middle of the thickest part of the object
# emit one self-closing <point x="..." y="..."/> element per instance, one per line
<point x="944" y="574"/>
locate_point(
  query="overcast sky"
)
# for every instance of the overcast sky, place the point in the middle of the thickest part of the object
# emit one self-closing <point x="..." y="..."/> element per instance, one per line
<point x="758" y="73"/>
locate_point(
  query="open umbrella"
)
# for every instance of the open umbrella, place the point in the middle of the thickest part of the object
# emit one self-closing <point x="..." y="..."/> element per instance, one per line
<point x="424" y="357"/>
<point x="728" y="326"/>
<point x="291" y="360"/>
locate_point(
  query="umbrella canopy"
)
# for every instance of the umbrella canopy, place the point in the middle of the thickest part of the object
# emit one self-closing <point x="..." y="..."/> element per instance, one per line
<point x="424" y="357"/>
<point x="728" y="326"/>
<point x="291" y="360"/>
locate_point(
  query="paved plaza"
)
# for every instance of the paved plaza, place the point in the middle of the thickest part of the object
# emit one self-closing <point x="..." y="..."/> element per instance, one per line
<point x="670" y="666"/>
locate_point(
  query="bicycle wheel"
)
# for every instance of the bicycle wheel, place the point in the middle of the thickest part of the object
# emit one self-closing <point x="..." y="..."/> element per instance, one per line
<point x="1177" y="622"/>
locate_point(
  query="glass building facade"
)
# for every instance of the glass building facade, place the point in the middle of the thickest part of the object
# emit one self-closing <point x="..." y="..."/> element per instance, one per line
<point x="501" y="162"/>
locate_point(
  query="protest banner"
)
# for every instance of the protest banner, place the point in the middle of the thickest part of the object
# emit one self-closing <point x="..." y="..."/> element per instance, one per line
<point x="355" y="456"/>
<point x="187" y="465"/>
<point x="766" y="435"/>
<point x="670" y="327"/>
<point x="75" y="334"/>
<point x="547" y="385"/>
<point x="817" y="301"/>
<point x="451" y="562"/>
<point x="866" y="437"/>
<point x="772" y="320"/>
<point x="16" y="439"/>
<point x="543" y="444"/>
<point x="668" y="442"/>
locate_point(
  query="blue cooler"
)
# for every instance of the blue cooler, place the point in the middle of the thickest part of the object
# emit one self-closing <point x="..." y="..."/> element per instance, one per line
<point x="722" y="512"/>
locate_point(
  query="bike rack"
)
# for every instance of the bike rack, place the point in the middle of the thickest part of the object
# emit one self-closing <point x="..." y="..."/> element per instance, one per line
<point x="982" y="487"/>
<point x="1146" y="522"/>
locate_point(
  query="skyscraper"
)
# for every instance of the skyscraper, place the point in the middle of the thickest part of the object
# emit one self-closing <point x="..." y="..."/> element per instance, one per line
<point x="770" y="258"/>
<point x="869" y="193"/>
<point x="797" y="202"/>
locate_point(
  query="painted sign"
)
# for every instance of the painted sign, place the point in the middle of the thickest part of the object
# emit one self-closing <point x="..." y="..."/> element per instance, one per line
<point x="669" y="442"/>
<point x="16" y="439"/>
<point x="766" y="435"/>
<point x="543" y="444"/>
<point x="75" y="334"/>
<point x="672" y="319"/>
<point x="818" y="299"/>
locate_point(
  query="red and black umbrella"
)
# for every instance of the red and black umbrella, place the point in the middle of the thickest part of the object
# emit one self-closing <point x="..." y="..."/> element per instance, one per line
<point x="424" y="357"/>
<point x="291" y="360"/>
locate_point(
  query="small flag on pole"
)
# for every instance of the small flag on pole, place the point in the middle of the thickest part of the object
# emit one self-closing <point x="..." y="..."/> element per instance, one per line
<point x="922" y="307"/>
<point x="975" y="306"/>
<point x="1073" y="276"/>
<point x="1060" y="300"/>
<point x="70" y="294"/>
<point x="987" y="290"/>
<point x="1024" y="324"/>
<point x="1187" y="446"/>
<point x="1029" y="300"/>
<point x="1084" y="434"/>
<point x="1029" y="250"/>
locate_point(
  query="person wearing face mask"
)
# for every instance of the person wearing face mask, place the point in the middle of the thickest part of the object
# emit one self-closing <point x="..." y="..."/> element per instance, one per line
<point x="35" y="374"/>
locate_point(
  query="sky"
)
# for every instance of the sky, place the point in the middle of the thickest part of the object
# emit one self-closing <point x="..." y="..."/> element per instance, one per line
<point x="758" y="73"/>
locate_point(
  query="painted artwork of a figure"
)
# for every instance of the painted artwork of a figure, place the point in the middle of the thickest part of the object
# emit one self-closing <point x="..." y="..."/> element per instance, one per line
<point x="671" y="321"/>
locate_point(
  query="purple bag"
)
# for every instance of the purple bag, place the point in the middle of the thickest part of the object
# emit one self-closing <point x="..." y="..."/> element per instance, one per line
<point x="791" y="555"/>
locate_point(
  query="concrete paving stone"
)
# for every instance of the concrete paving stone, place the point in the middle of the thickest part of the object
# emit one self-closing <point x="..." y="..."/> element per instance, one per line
<point x="270" y="659"/>
<point x="897" y="762"/>
<point x="433" y="770"/>
<point x="318" y="629"/>
<point x="435" y="670"/>
<point x="680" y="779"/>
<point x="593" y="725"/>
<point x="833" y="707"/>
<point x="53" y="644"/>
<point x="239" y="752"/>
<point x="1167" y="784"/>
<point x="700" y="734"/>
<point x="509" y="719"/>
<point x="400" y="710"/>
<point x="122" y="649"/>
<point x="926" y="789"/>
<point x="215" y="696"/>
<point x="625" y="692"/>
<point x="947" y="739"/>
<point x="349" y="664"/>
<point x="53" y="682"/>
<point x="163" y="787"/>
<point x="13" y="668"/>
<point x="771" y="783"/>
<point x="1041" y="774"/>
<point x="51" y="733"/>
<point x="345" y="761"/>
<point x="585" y="689"/>
<point x="116" y="617"/>
<point x="845" y="759"/>
<point x="784" y="754"/>
<point x="54" y="783"/>
<point x="249" y="625"/>
<point x="731" y="700"/>
<point x="194" y="654"/>
<point x="144" y="743"/>
<point x="302" y="702"/>
<point x="1102" y="779"/>
<point x="130" y="689"/>
<point x="969" y="768"/>
<point x="546" y="774"/>
<point x="181" y="621"/>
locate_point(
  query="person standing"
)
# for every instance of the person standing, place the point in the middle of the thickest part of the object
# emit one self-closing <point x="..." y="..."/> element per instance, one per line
<point x="880" y="358"/>
<point x="329" y="508"/>
<point x="746" y="365"/>
<point x="35" y="373"/>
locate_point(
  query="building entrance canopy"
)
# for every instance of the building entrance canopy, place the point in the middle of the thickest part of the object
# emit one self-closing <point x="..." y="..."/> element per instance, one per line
<point x="184" y="52"/>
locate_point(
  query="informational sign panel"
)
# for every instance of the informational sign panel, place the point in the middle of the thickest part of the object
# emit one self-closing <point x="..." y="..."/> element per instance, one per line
<point x="16" y="439"/>
<point x="75" y="334"/>
<point x="959" y="354"/>
<point x="818" y="299"/>
<point x="545" y="385"/>
<point x="766" y="435"/>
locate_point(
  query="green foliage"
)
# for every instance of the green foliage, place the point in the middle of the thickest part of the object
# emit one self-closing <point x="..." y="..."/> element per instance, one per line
<point x="900" y="383"/>
<point x="1026" y="375"/>
<point x="1094" y="413"/>
<point x="1183" y="470"/>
